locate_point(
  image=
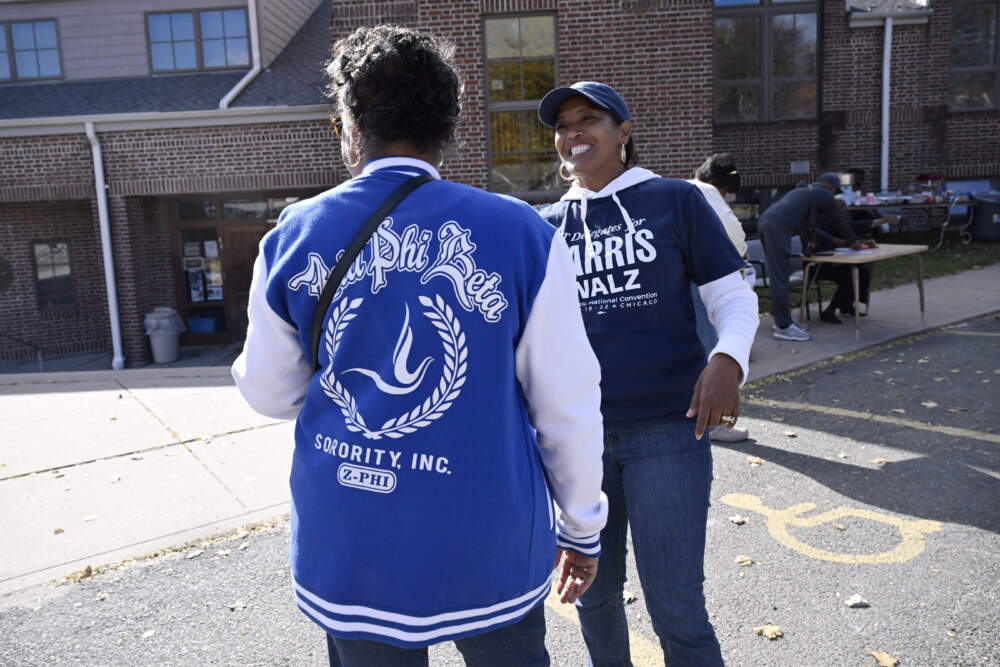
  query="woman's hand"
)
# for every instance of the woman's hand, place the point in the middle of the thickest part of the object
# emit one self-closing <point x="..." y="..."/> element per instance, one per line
<point x="716" y="394"/>
<point x="576" y="574"/>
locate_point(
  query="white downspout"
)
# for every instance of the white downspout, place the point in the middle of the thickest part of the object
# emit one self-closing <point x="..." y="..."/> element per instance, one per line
<point x="254" y="53"/>
<point x="118" y="361"/>
<point x="886" y="68"/>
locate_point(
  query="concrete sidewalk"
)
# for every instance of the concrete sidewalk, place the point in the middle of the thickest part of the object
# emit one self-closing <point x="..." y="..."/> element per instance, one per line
<point x="99" y="466"/>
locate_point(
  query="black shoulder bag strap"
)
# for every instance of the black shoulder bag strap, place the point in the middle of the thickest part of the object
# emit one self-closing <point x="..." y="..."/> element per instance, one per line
<point x="345" y="261"/>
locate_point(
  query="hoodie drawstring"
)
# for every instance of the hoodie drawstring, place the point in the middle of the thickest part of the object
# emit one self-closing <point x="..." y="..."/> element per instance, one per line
<point x="628" y="220"/>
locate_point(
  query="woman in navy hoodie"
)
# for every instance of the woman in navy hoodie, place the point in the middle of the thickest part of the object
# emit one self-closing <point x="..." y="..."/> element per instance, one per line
<point x="638" y="241"/>
<point x="456" y="394"/>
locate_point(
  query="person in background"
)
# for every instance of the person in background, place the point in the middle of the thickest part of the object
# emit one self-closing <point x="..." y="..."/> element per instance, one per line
<point x="794" y="214"/>
<point x="638" y="241"/>
<point x="715" y="178"/>
<point x="843" y="297"/>
<point x="864" y="221"/>
<point x="456" y="394"/>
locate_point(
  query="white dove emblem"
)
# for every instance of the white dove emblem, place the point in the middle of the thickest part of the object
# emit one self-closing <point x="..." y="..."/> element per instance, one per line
<point x="406" y="381"/>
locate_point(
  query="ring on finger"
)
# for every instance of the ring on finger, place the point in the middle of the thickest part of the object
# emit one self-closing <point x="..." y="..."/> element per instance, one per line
<point x="727" y="419"/>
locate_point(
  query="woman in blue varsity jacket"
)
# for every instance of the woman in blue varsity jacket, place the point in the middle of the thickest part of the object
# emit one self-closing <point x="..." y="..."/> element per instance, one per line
<point x="456" y="397"/>
<point x="638" y="241"/>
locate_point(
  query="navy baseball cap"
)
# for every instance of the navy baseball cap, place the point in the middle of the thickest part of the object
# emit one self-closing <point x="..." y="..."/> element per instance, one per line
<point x="600" y="94"/>
<point x="831" y="179"/>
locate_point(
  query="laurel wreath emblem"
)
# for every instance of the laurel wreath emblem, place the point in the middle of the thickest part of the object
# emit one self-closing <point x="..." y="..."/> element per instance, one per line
<point x="453" y="374"/>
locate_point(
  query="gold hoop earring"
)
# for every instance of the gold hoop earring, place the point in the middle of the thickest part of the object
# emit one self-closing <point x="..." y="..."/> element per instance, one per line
<point x="567" y="175"/>
<point x="624" y="155"/>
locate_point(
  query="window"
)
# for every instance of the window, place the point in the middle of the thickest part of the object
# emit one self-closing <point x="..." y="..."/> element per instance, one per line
<point x="29" y="50"/>
<point x="765" y="60"/>
<point x="209" y="39"/>
<point x="53" y="275"/>
<point x="4" y="55"/>
<point x="975" y="75"/>
<point x="520" y="69"/>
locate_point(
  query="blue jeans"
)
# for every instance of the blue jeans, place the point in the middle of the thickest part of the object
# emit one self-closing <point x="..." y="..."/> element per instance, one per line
<point x="657" y="478"/>
<point x="521" y="643"/>
<point x="706" y="332"/>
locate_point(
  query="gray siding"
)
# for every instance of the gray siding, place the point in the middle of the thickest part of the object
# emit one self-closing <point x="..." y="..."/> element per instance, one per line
<point x="279" y="21"/>
<point x="101" y="39"/>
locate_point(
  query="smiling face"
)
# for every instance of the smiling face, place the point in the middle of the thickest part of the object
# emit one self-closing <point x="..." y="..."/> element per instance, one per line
<point x="589" y="142"/>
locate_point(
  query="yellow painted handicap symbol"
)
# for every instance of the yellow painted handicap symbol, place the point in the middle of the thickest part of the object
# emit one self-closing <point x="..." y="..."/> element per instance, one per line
<point x="778" y="521"/>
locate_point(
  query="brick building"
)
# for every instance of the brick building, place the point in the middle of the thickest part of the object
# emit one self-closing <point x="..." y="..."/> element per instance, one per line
<point x="200" y="121"/>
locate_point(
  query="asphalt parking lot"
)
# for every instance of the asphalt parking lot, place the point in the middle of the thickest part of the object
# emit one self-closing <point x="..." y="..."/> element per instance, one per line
<point x="874" y="474"/>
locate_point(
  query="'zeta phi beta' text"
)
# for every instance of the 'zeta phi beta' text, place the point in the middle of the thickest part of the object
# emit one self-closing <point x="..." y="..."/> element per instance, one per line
<point x="409" y="251"/>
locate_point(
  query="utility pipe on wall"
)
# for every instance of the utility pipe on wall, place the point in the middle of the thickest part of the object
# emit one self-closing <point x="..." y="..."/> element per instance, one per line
<point x="886" y="70"/>
<point x="118" y="361"/>
<point x="255" y="54"/>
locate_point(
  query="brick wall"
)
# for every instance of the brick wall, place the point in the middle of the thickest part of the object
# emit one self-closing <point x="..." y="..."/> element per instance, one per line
<point x="652" y="51"/>
<point x="658" y="55"/>
<point x="81" y="329"/>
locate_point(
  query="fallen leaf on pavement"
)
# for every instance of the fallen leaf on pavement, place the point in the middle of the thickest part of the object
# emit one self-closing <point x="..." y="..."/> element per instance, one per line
<point x="950" y="633"/>
<point x="924" y="360"/>
<point x="223" y="552"/>
<point x="628" y="596"/>
<point x="878" y="372"/>
<point x="769" y="631"/>
<point x="856" y="601"/>
<point x="744" y="561"/>
<point x="881" y="461"/>
<point x="755" y="461"/>
<point x="102" y="596"/>
<point x="940" y="379"/>
<point x="843" y="455"/>
<point x="238" y="605"/>
<point x="839" y="526"/>
<point x="883" y="659"/>
<point x="899" y="411"/>
<point x="244" y="546"/>
<point x="195" y="554"/>
<point x="148" y="633"/>
<point x="929" y="404"/>
<point x="791" y="434"/>
<point x="738" y="520"/>
<point x="954" y="370"/>
<point x="899" y="361"/>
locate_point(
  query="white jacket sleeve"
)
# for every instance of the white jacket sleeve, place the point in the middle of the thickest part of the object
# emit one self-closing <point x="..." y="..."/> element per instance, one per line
<point x="732" y="309"/>
<point x="271" y="371"/>
<point x="560" y="377"/>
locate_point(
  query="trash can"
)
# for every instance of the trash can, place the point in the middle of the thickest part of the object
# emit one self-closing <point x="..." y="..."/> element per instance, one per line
<point x="986" y="216"/>
<point x="164" y="326"/>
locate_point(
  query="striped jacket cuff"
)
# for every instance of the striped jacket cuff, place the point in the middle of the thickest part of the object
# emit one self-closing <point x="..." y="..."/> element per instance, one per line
<point x="589" y="545"/>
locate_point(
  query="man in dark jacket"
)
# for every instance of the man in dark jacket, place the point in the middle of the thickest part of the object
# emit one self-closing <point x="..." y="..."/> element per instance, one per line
<point x="791" y="215"/>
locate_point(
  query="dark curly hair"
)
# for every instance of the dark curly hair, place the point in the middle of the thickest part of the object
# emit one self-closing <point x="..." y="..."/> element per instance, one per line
<point x="719" y="169"/>
<point x="396" y="84"/>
